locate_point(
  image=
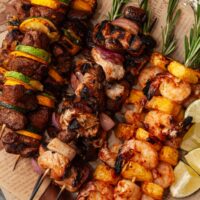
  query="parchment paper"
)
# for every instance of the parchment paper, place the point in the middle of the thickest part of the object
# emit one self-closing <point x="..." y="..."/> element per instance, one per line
<point x="18" y="184"/>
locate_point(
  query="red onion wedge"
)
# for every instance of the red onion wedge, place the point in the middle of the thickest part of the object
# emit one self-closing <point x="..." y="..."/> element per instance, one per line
<point x="74" y="81"/>
<point x="36" y="167"/>
<point x="106" y="122"/>
<point x="110" y="56"/>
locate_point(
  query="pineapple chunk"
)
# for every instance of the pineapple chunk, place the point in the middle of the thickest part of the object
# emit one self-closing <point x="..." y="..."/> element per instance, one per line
<point x="106" y="174"/>
<point x="136" y="97"/>
<point x="134" y="170"/>
<point x="142" y="134"/>
<point x="124" y="131"/>
<point x="153" y="190"/>
<point x="186" y="74"/>
<point x="159" y="60"/>
<point x="87" y="6"/>
<point x="169" y="155"/>
<point x="163" y="104"/>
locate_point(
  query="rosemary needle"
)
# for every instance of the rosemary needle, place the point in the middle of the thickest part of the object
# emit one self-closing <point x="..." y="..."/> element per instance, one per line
<point x="192" y="44"/>
<point x="168" y="39"/>
<point x="116" y="9"/>
<point x="149" y="24"/>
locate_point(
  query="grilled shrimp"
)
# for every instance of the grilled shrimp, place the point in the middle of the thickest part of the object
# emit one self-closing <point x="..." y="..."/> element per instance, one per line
<point x="159" y="124"/>
<point x="147" y="74"/>
<point x="138" y="151"/>
<point x="96" y="190"/>
<point x="127" y="190"/>
<point x="108" y="155"/>
<point x="169" y="87"/>
<point x="145" y="197"/>
<point x="163" y="175"/>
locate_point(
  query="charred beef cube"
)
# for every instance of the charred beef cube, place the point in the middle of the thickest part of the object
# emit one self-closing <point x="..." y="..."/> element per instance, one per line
<point x="19" y="96"/>
<point x="56" y="16"/>
<point x="28" y="67"/>
<point x="19" y="144"/>
<point x="13" y="119"/>
<point x="36" y="39"/>
<point x="136" y="14"/>
<point x="40" y="118"/>
<point x="12" y="39"/>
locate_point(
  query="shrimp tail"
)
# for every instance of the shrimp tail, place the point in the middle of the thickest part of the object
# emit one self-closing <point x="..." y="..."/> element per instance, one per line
<point x="119" y="164"/>
<point x="150" y="89"/>
<point x="187" y="122"/>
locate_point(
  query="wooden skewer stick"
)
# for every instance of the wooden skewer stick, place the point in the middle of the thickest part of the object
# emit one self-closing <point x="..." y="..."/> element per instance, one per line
<point x="16" y="162"/>
<point x="39" y="183"/>
<point x="2" y="130"/>
<point x="60" y="193"/>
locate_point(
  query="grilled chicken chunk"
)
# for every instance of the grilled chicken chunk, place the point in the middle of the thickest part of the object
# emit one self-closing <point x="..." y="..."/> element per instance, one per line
<point x="112" y="63"/>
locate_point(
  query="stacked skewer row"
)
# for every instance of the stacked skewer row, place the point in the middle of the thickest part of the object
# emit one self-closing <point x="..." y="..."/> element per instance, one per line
<point x="41" y="71"/>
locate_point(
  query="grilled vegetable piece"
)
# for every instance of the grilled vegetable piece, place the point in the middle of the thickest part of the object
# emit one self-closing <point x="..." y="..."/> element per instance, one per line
<point x="46" y="100"/>
<point x="159" y="60"/>
<point x="169" y="155"/>
<point x="29" y="56"/>
<point x="153" y="190"/>
<point x="12" y="107"/>
<point x="29" y="134"/>
<point x="53" y="4"/>
<point x="42" y="25"/>
<point x="134" y="170"/>
<point x="40" y="53"/>
<point x="124" y="131"/>
<point x="163" y="104"/>
<point x="17" y="75"/>
<point x="88" y="6"/>
<point x="56" y="76"/>
<point x="106" y="174"/>
<point x="186" y="74"/>
<point x="135" y="14"/>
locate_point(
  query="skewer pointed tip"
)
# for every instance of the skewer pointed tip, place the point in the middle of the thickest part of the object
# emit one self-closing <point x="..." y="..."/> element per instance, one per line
<point x="60" y="193"/>
<point x="38" y="183"/>
<point x="16" y="162"/>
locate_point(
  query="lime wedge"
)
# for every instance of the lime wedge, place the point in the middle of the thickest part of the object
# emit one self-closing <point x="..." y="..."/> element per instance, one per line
<point x="193" y="111"/>
<point x="193" y="159"/>
<point x="191" y="140"/>
<point x="187" y="181"/>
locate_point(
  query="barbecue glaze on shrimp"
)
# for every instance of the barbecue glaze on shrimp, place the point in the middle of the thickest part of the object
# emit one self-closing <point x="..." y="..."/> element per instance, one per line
<point x="127" y="190"/>
<point x="147" y="74"/>
<point x="138" y="151"/>
<point x="169" y="87"/>
<point x="163" y="175"/>
<point x="96" y="190"/>
<point x="159" y="124"/>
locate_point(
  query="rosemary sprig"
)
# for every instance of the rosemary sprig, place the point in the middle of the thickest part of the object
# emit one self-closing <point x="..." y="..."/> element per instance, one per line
<point x="168" y="39"/>
<point x="116" y="8"/>
<point x="149" y="24"/>
<point x="192" y="43"/>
